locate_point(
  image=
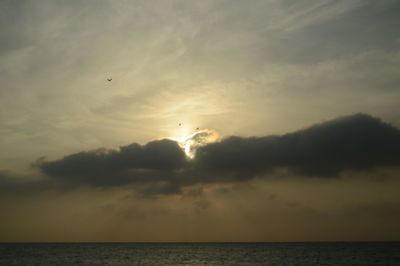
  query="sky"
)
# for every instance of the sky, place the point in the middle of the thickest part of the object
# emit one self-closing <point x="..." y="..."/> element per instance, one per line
<point x="272" y="120"/>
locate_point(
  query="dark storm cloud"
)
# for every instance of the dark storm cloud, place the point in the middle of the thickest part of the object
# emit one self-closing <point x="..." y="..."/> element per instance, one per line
<point x="357" y="142"/>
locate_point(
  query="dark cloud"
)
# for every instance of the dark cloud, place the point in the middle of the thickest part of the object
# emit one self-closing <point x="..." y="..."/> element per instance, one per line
<point x="357" y="142"/>
<point x="353" y="142"/>
<point x="154" y="161"/>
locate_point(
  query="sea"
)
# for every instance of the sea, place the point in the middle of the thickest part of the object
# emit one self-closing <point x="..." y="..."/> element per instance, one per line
<point x="271" y="254"/>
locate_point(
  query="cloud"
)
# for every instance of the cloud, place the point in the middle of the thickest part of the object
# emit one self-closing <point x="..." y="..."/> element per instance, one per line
<point x="346" y="143"/>
<point x="198" y="139"/>
<point x="12" y="183"/>
<point x="356" y="142"/>
<point x="154" y="161"/>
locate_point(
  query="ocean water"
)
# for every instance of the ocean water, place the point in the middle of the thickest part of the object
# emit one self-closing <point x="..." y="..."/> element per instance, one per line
<point x="307" y="254"/>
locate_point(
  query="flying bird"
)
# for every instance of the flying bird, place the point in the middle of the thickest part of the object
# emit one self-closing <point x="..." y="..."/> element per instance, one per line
<point x="109" y="79"/>
<point x="180" y="124"/>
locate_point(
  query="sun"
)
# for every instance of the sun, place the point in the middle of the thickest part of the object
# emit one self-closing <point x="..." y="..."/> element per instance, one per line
<point x="191" y="142"/>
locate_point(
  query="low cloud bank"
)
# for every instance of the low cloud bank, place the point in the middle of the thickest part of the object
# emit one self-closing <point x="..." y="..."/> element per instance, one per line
<point x="356" y="142"/>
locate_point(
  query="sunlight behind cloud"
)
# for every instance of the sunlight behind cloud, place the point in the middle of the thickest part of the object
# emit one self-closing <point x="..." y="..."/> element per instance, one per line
<point x="190" y="143"/>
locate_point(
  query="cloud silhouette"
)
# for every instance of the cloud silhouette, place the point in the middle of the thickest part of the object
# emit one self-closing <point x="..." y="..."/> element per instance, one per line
<point x="356" y="142"/>
<point x="353" y="142"/>
<point x="154" y="161"/>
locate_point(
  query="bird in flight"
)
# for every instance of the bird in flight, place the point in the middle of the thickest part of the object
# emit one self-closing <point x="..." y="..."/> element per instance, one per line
<point x="180" y="124"/>
<point x="109" y="79"/>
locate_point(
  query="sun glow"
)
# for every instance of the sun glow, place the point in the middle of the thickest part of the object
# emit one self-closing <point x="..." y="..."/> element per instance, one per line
<point x="191" y="142"/>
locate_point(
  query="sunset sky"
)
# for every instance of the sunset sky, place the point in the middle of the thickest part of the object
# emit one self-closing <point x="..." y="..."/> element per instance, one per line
<point x="273" y="120"/>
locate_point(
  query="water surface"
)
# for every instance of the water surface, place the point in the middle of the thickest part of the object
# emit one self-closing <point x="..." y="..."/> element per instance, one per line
<point x="271" y="254"/>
